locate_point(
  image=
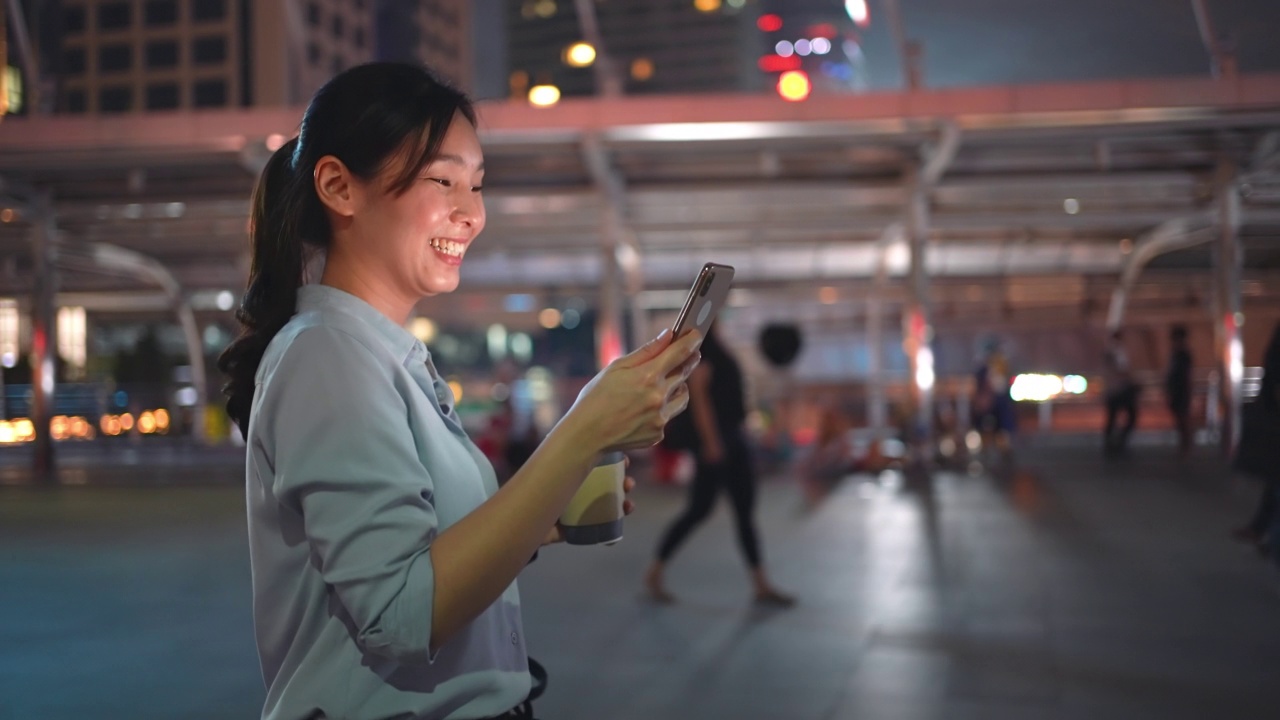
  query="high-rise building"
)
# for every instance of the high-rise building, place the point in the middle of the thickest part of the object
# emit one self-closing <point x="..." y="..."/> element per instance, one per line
<point x="436" y="33"/>
<point x="137" y="55"/>
<point x="666" y="46"/>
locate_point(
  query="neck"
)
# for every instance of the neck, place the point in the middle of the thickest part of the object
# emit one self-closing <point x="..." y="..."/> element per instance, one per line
<point x="347" y="275"/>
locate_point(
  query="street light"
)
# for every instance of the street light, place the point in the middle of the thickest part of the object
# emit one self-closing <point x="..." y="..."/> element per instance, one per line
<point x="544" y="95"/>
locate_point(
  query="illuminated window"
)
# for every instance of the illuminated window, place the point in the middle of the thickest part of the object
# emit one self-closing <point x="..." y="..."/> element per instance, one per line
<point x="71" y="337"/>
<point x="9" y="332"/>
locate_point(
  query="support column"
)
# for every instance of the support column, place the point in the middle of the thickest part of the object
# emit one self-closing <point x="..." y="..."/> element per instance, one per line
<point x="1229" y="319"/>
<point x="620" y="276"/>
<point x="44" y="335"/>
<point x="917" y="320"/>
<point x="877" y="417"/>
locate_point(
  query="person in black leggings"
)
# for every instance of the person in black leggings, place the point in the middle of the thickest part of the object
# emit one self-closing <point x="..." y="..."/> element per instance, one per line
<point x="724" y="462"/>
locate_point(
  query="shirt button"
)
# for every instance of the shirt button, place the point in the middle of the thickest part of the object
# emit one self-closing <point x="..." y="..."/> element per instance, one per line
<point x="515" y="639"/>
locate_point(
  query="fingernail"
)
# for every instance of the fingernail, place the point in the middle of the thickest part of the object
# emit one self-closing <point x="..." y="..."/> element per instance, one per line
<point x="665" y="332"/>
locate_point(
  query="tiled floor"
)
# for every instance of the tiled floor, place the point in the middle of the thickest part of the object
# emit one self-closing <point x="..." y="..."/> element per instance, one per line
<point x="1071" y="588"/>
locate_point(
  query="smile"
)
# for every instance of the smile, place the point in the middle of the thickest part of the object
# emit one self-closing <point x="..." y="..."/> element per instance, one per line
<point x="449" y="247"/>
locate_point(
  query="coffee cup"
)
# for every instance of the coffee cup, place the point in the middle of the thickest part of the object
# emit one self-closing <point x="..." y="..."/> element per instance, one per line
<point x="594" y="514"/>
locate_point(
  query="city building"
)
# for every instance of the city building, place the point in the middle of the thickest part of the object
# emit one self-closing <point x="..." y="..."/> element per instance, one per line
<point x="113" y="56"/>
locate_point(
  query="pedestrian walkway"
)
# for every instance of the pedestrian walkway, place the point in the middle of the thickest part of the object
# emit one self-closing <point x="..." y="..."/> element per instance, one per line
<point x="1071" y="588"/>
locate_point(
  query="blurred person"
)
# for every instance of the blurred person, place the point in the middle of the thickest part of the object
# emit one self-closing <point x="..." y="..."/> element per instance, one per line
<point x="1177" y="386"/>
<point x="383" y="553"/>
<point x="717" y="405"/>
<point x="1122" y="393"/>
<point x="1263" y="529"/>
<point x="992" y="405"/>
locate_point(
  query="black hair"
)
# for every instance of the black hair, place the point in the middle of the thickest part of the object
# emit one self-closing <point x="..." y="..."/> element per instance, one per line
<point x="367" y="117"/>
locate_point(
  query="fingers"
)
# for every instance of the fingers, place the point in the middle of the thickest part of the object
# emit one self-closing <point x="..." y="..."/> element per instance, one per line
<point x="678" y="352"/>
<point x="650" y="350"/>
<point x="628" y="484"/>
<point x="676" y="403"/>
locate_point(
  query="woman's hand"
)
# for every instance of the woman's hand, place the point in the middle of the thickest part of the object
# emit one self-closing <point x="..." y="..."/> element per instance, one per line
<point x="627" y="405"/>
<point x="556" y="534"/>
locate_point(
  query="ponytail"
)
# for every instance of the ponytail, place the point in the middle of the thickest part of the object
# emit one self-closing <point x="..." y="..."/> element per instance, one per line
<point x="276" y="225"/>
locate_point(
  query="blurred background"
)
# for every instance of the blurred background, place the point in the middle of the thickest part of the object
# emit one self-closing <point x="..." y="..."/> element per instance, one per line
<point x="940" y="212"/>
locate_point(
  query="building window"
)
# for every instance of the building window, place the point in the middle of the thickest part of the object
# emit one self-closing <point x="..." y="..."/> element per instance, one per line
<point x="338" y="27"/>
<point x="73" y="19"/>
<point x="337" y="64"/>
<point x="162" y="97"/>
<point x="210" y="93"/>
<point x="73" y="61"/>
<point x="358" y="36"/>
<point x="209" y="50"/>
<point x="208" y="9"/>
<point x="162" y="54"/>
<point x="114" y="15"/>
<point x="115" y="99"/>
<point x="161" y="13"/>
<point x="313" y="54"/>
<point x="313" y="14"/>
<point x="76" y="102"/>
<point x="115" y="58"/>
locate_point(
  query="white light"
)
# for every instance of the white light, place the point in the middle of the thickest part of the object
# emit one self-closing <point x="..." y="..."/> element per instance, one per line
<point x="924" y="369"/>
<point x="821" y="46"/>
<point x="1033" y="387"/>
<point x="133" y="211"/>
<point x="186" y="397"/>
<point x="1075" y="384"/>
<point x="784" y="48"/>
<point x="1071" y="205"/>
<point x="544" y="95"/>
<point x="737" y="3"/>
<point x="423" y="329"/>
<point x="803" y="47"/>
<point x="522" y="347"/>
<point x="225" y="300"/>
<point x="9" y="359"/>
<point x="973" y="440"/>
<point x="497" y="339"/>
<point x="175" y="209"/>
<point x="857" y="10"/>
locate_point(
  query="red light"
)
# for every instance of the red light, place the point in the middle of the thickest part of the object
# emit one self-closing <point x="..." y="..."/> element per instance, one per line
<point x="769" y="23"/>
<point x="822" y="30"/>
<point x="777" y="63"/>
<point x="794" y="86"/>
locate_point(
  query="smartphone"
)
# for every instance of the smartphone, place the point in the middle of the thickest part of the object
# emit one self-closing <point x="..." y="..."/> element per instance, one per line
<point x="706" y="297"/>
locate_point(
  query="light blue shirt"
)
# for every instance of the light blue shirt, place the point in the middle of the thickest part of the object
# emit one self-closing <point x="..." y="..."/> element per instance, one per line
<point x="356" y="462"/>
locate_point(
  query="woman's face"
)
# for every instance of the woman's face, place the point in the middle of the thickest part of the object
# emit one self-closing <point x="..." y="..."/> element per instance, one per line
<point x="416" y="241"/>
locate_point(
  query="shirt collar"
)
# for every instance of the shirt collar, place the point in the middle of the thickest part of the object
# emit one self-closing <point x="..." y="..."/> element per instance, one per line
<point x="401" y="342"/>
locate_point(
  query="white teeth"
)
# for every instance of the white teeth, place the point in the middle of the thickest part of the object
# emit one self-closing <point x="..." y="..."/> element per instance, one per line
<point x="448" y="247"/>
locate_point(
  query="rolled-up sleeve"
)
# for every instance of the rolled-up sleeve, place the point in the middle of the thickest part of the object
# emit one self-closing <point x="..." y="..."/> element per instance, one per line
<point x="344" y="457"/>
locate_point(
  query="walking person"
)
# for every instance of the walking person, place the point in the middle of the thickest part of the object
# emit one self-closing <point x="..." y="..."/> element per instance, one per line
<point x="1177" y="387"/>
<point x="1259" y="455"/>
<point x="717" y="404"/>
<point x="383" y="553"/>
<point x="1122" y="393"/>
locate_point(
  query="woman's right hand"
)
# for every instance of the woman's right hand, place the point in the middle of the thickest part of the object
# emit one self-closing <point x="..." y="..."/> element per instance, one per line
<point x="627" y="405"/>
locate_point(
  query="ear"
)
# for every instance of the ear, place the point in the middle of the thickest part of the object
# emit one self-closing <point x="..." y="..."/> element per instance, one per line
<point x="336" y="187"/>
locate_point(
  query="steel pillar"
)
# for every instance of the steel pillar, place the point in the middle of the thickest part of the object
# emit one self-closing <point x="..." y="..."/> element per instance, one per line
<point x="917" y="321"/>
<point x="44" y="334"/>
<point x="1230" y="318"/>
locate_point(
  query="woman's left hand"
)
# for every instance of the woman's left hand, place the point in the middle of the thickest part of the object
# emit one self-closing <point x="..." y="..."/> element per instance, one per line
<point x="555" y="535"/>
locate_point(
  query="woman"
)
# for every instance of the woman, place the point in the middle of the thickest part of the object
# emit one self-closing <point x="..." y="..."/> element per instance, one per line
<point x="718" y="406"/>
<point x="384" y="556"/>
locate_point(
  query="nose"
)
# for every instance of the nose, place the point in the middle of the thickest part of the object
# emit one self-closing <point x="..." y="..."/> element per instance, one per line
<point x="469" y="210"/>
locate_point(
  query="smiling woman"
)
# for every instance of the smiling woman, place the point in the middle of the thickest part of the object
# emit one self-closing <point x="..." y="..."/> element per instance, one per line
<point x="384" y="554"/>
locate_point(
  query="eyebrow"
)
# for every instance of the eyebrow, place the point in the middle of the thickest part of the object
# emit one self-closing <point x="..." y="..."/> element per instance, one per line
<point x="457" y="160"/>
